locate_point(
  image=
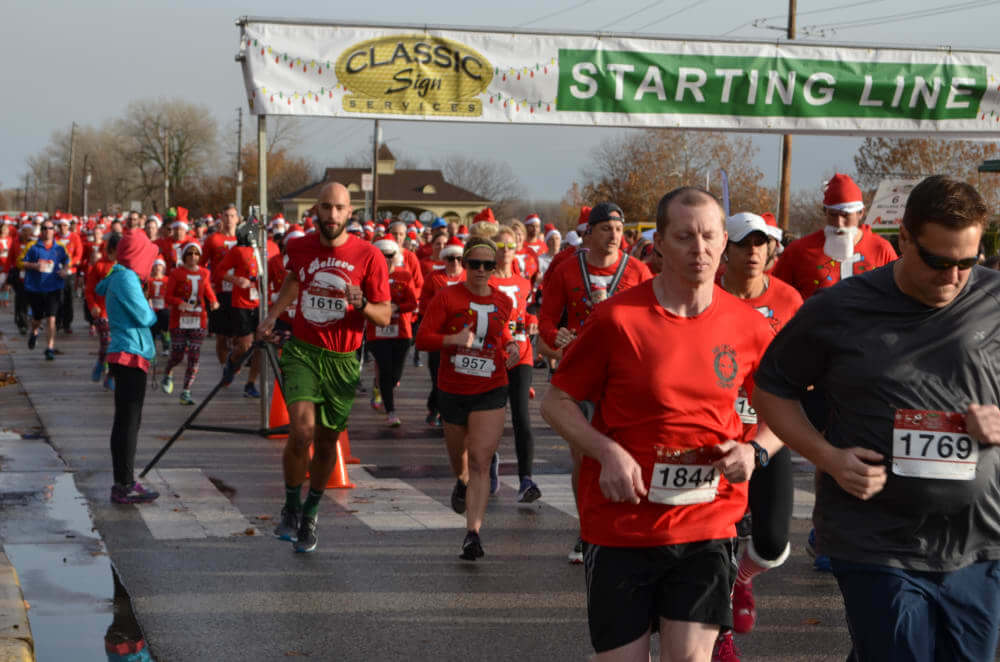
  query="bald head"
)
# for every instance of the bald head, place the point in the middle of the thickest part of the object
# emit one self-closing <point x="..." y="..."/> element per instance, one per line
<point x="333" y="211"/>
<point x="334" y="191"/>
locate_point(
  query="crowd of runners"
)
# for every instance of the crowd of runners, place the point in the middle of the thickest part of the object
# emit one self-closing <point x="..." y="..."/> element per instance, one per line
<point x="685" y="366"/>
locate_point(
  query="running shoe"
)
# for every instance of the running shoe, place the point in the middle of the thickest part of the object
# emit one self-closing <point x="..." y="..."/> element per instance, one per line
<point x="97" y="372"/>
<point x="528" y="492"/>
<point x="376" y="400"/>
<point x="725" y="648"/>
<point x="744" y="607"/>
<point x="167" y="384"/>
<point x="250" y="391"/>
<point x="22" y="330"/>
<point x="495" y="474"/>
<point x="821" y="562"/>
<point x="393" y="421"/>
<point x="305" y="540"/>
<point x="531" y="392"/>
<point x="68" y="331"/>
<point x="32" y="340"/>
<point x="228" y="371"/>
<point x="50" y="354"/>
<point x="186" y="398"/>
<point x="458" y="497"/>
<point x="433" y="420"/>
<point x="288" y="528"/>
<point x="472" y="548"/>
<point x="136" y="493"/>
<point x="576" y="556"/>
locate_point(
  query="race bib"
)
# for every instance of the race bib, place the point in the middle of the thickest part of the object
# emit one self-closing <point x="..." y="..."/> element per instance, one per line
<point x="474" y="366"/>
<point x="933" y="444"/>
<point x="746" y="411"/>
<point x="253" y="293"/>
<point x="157" y="303"/>
<point x="226" y="285"/>
<point x="190" y="322"/>
<point x="46" y="266"/>
<point x="388" y="331"/>
<point x="323" y="309"/>
<point x="683" y="477"/>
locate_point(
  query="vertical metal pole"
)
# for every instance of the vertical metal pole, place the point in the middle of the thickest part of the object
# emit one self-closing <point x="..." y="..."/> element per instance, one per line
<point x="69" y="176"/>
<point x="265" y="369"/>
<point x="784" y="198"/>
<point x="239" y="163"/>
<point x="376" y="138"/>
<point x="166" y="169"/>
<point x="83" y="183"/>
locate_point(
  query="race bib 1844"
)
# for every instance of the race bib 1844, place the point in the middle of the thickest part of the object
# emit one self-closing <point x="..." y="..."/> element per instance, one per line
<point x="682" y="477"/>
<point x="933" y="444"/>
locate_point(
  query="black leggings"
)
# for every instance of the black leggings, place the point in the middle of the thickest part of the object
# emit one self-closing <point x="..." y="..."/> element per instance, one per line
<point x="771" y="496"/>
<point x="390" y="357"/>
<point x="433" y="359"/>
<point x="130" y="392"/>
<point x="519" y="378"/>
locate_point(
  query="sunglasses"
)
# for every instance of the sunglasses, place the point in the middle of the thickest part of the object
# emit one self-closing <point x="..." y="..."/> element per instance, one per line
<point x="939" y="263"/>
<point x="388" y="256"/>
<point x="454" y="258"/>
<point x="476" y="265"/>
<point x="48" y="227"/>
<point x="510" y="244"/>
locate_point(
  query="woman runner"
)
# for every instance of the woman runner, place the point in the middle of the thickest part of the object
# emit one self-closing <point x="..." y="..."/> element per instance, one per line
<point x="467" y="324"/>
<point x="435" y="280"/>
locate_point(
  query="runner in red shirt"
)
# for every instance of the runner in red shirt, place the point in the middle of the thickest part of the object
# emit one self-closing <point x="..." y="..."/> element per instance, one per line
<point x="70" y="241"/>
<point x="771" y="490"/>
<point x="276" y="272"/>
<point x="533" y="239"/>
<point x="843" y="248"/>
<point x="189" y="294"/>
<point x="468" y="325"/>
<point x="452" y="274"/>
<point x="522" y="326"/>
<point x="341" y="283"/>
<point x="435" y="261"/>
<point x="389" y="344"/>
<point x="221" y="320"/>
<point x="525" y="259"/>
<point x="155" y="291"/>
<point x="98" y="311"/>
<point x="664" y="478"/>
<point x="239" y="268"/>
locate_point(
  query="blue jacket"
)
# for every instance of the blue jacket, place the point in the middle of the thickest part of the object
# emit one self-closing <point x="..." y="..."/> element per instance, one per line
<point x="129" y="314"/>
<point x="36" y="281"/>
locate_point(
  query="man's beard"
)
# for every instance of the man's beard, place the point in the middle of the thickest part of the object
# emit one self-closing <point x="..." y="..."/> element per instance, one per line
<point x="839" y="242"/>
<point x="331" y="231"/>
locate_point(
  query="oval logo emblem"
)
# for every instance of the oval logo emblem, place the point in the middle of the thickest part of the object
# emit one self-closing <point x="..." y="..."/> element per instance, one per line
<point x="413" y="74"/>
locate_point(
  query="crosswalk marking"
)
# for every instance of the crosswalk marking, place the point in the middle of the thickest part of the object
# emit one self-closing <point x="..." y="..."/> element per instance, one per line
<point x="802" y="505"/>
<point x="557" y="491"/>
<point x="200" y="510"/>
<point x="390" y="504"/>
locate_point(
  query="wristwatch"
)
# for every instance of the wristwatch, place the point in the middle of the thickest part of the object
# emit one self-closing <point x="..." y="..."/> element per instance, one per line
<point x="364" y="302"/>
<point x="761" y="457"/>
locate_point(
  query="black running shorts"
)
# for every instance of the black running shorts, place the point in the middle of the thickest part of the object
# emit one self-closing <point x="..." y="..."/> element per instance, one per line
<point x="44" y="304"/>
<point x="455" y="407"/>
<point x="220" y="319"/>
<point x="630" y="588"/>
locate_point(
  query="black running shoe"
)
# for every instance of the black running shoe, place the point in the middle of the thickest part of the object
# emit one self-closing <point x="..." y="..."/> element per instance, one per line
<point x="458" y="497"/>
<point x="472" y="548"/>
<point x="32" y="340"/>
<point x="289" y="526"/>
<point x="306" y="538"/>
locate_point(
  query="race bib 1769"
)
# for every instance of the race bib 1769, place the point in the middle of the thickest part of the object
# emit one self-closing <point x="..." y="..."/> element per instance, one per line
<point x="933" y="444"/>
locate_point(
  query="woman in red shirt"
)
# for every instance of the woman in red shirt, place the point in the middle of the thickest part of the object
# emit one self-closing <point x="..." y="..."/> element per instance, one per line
<point x="435" y="281"/>
<point x="188" y="293"/>
<point x="154" y="294"/>
<point x="467" y="324"/>
<point x="389" y="344"/>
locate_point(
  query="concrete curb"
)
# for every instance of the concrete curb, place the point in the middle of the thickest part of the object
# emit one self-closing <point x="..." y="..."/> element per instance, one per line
<point x="16" y="642"/>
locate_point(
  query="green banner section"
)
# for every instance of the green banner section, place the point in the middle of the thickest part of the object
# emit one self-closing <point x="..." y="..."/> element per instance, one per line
<point x="636" y="82"/>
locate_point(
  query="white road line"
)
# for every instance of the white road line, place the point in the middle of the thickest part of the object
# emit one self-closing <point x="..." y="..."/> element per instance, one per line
<point x="390" y="504"/>
<point x="557" y="491"/>
<point x="200" y="511"/>
<point x="802" y="505"/>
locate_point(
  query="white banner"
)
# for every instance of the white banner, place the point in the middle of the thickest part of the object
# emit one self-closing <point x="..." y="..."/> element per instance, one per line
<point x="419" y="72"/>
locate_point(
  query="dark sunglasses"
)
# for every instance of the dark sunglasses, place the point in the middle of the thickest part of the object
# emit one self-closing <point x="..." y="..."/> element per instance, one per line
<point x="939" y="263"/>
<point x="476" y="265"/>
<point x="48" y="227"/>
<point x="454" y="258"/>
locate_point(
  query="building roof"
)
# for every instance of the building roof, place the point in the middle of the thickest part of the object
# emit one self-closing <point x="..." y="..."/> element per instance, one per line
<point x="417" y="186"/>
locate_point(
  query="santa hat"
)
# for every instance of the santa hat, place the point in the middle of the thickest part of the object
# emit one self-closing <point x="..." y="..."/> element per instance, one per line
<point x="188" y="246"/>
<point x="179" y="224"/>
<point x="418" y="225"/>
<point x="294" y="234"/>
<point x="549" y="227"/>
<point x="572" y="238"/>
<point x="532" y="219"/>
<point x="355" y="228"/>
<point x="553" y="233"/>
<point x="159" y="261"/>
<point x="463" y="231"/>
<point x="64" y="221"/>
<point x="485" y="215"/>
<point x="584" y="217"/>
<point x="843" y="194"/>
<point x="772" y="225"/>
<point x="412" y="234"/>
<point x="182" y="214"/>
<point x="455" y="246"/>
<point x="387" y="245"/>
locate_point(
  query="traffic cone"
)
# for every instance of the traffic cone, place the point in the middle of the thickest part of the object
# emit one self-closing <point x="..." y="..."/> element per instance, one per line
<point x="346" y="443"/>
<point x="279" y="413"/>
<point x="338" y="477"/>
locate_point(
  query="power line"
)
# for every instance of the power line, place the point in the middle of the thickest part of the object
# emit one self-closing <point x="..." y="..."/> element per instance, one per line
<point x="555" y="13"/>
<point x="672" y="14"/>
<point x="821" y="11"/>
<point x="738" y="27"/>
<point x="905" y="16"/>
<point x="628" y="16"/>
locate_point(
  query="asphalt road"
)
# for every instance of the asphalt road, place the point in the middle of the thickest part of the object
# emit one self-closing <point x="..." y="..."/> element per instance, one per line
<point x="209" y="582"/>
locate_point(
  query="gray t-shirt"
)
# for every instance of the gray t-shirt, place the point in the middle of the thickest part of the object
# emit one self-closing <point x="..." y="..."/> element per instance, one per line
<point x="874" y="350"/>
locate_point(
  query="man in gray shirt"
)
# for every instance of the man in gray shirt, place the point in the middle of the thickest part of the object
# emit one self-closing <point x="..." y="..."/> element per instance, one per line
<point x="908" y="497"/>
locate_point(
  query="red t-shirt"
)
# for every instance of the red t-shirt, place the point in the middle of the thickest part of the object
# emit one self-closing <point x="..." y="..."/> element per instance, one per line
<point x="402" y="294"/>
<point x="189" y="293"/>
<point x="424" y="251"/>
<point x="526" y="262"/>
<point x="412" y="264"/>
<point x="567" y="252"/>
<point x="276" y="273"/>
<point x="435" y="282"/>
<point x="477" y="369"/>
<point x="241" y="261"/>
<point x="323" y="317"/>
<point x="429" y="266"/>
<point x="156" y="289"/>
<point x="216" y="247"/>
<point x="171" y="251"/>
<point x="95" y="274"/>
<point x="538" y="246"/>
<point x="518" y="290"/>
<point x="659" y="379"/>
<point x="805" y="266"/>
<point x="565" y="291"/>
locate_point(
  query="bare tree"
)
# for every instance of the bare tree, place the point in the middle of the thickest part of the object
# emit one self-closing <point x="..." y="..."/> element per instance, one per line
<point x="490" y="178"/>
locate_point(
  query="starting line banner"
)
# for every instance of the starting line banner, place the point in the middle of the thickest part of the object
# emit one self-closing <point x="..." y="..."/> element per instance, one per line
<point x="473" y="75"/>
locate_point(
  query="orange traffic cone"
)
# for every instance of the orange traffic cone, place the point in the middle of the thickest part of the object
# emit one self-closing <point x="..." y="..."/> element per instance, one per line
<point x="339" y="478"/>
<point x="346" y="442"/>
<point x="279" y="413"/>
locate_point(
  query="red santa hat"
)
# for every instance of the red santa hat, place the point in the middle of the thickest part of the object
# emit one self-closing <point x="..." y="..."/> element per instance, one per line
<point x="295" y="227"/>
<point x="843" y="194"/>
<point x="182" y="214"/>
<point x="455" y="246"/>
<point x="549" y="227"/>
<point x="418" y="225"/>
<point x="387" y="245"/>
<point x="583" y="220"/>
<point x="294" y="234"/>
<point x="532" y="219"/>
<point x="485" y="215"/>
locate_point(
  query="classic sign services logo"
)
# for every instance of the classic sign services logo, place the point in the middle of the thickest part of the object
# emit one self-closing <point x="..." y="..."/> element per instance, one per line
<point x="413" y="75"/>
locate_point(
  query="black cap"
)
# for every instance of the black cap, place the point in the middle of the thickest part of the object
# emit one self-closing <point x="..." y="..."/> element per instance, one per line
<point x="602" y="212"/>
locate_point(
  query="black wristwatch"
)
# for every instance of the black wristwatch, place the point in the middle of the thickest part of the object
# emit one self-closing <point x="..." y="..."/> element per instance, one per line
<point x="761" y="457"/>
<point x="364" y="302"/>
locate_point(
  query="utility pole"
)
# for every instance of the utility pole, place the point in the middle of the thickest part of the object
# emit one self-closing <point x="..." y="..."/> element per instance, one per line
<point x="376" y="140"/>
<point x="239" y="163"/>
<point x="26" y="176"/>
<point x="784" y="199"/>
<point x="48" y="185"/>
<point x="166" y="169"/>
<point x="69" y="178"/>
<point x="85" y="184"/>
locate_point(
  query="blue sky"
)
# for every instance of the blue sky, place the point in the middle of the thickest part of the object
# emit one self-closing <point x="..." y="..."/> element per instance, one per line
<point x="84" y="61"/>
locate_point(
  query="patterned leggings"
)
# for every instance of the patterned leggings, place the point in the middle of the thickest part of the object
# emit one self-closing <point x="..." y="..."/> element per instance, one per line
<point x="103" y="338"/>
<point x="190" y="339"/>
